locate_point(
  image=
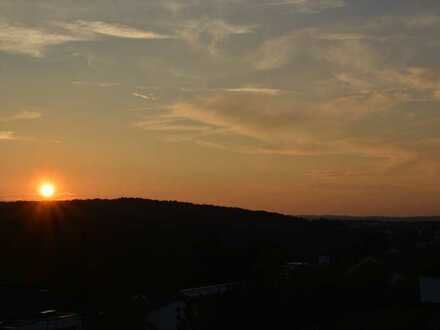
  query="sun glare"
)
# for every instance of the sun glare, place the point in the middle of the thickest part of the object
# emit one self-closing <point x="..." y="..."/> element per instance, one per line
<point x="47" y="190"/>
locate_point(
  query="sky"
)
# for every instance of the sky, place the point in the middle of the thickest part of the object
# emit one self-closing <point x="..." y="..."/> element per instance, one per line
<point x="294" y="106"/>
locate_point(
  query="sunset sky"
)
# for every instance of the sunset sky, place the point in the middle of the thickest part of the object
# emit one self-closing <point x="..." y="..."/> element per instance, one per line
<point x="295" y="106"/>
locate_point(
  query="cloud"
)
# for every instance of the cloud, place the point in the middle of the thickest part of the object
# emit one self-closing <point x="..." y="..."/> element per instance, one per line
<point x="102" y="84"/>
<point x="308" y="6"/>
<point x="261" y="124"/>
<point x="411" y="83"/>
<point x="215" y="112"/>
<point x="358" y="59"/>
<point x="335" y="174"/>
<point x="386" y="157"/>
<point x="34" y="41"/>
<point x="241" y="115"/>
<point x="363" y="77"/>
<point x="274" y="53"/>
<point x="339" y="48"/>
<point x="255" y="90"/>
<point x="148" y="97"/>
<point x="420" y="78"/>
<point x="245" y="89"/>
<point x="27" y="115"/>
<point x="418" y="22"/>
<point x="23" y="115"/>
<point x="111" y="29"/>
<point x="210" y="33"/>
<point x="171" y="123"/>
<point x="7" y="136"/>
<point x="266" y="119"/>
<point x="366" y="43"/>
<point x="30" y="41"/>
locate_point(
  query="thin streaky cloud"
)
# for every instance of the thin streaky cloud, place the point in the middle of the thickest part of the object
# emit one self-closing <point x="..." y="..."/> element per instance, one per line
<point x="244" y="90"/>
<point x="33" y="41"/>
<point x="169" y="123"/>
<point x="390" y="156"/>
<point x="148" y="97"/>
<point x="422" y="21"/>
<point x="7" y="136"/>
<point x="112" y="30"/>
<point x="30" y="41"/>
<point x="255" y="90"/>
<point x="308" y="6"/>
<point x="22" y="115"/>
<point x="210" y="33"/>
<point x="176" y="128"/>
<point x="284" y="3"/>
<point x="102" y="84"/>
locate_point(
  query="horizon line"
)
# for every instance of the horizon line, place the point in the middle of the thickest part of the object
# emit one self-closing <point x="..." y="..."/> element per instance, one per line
<point x="306" y="216"/>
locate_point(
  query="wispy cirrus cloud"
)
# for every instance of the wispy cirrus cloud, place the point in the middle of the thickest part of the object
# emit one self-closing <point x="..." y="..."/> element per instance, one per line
<point x="7" y="136"/>
<point x="360" y="44"/>
<point x="210" y="33"/>
<point x="147" y="97"/>
<point x="30" y="40"/>
<point x="255" y="90"/>
<point x="308" y="6"/>
<point x="101" y="84"/>
<point x="34" y="41"/>
<point x="338" y="47"/>
<point x="357" y="59"/>
<point x="247" y="89"/>
<point x="274" y="53"/>
<point x="22" y="115"/>
<point x="269" y="119"/>
<point x="170" y="123"/>
<point x="111" y="30"/>
<point x="273" y="126"/>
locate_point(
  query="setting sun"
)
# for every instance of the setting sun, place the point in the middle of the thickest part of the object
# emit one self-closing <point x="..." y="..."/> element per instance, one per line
<point x="47" y="190"/>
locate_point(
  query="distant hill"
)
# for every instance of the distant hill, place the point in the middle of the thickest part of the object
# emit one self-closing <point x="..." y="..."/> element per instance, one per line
<point x="141" y="209"/>
<point x="161" y="246"/>
<point x="130" y="242"/>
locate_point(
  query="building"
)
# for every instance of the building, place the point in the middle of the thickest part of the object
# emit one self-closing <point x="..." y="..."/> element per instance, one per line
<point x="174" y="314"/>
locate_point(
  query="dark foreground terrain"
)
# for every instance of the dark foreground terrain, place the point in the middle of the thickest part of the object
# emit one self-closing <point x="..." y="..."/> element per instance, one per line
<point x="115" y="263"/>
